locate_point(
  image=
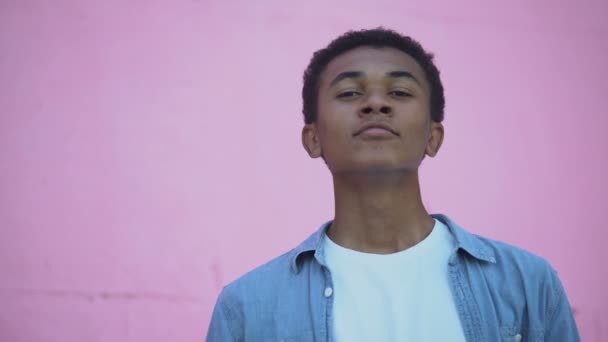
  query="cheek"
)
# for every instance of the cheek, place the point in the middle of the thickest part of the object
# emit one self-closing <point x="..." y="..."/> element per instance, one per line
<point x="323" y="104"/>
<point x="418" y="139"/>
<point x="333" y="133"/>
<point x="336" y="123"/>
<point x="415" y="129"/>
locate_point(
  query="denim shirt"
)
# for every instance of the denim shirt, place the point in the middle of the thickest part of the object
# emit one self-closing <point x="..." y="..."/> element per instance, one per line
<point x="502" y="293"/>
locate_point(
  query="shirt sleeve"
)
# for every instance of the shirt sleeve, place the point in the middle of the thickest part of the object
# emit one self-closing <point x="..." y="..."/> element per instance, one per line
<point x="560" y="323"/>
<point x="225" y="324"/>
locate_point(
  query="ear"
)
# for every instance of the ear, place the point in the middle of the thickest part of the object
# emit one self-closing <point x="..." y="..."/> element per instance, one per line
<point x="310" y="140"/>
<point x="435" y="139"/>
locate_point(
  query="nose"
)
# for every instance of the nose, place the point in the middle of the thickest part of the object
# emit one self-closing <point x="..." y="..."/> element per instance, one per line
<point x="374" y="104"/>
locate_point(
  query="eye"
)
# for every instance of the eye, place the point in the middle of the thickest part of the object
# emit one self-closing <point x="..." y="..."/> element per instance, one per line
<point x="400" y="93"/>
<point x="348" y="94"/>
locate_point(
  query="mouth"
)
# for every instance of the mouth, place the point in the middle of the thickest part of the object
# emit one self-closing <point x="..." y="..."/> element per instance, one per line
<point x="376" y="130"/>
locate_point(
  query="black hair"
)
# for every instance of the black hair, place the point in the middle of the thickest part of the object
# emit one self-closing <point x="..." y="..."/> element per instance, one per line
<point x="378" y="37"/>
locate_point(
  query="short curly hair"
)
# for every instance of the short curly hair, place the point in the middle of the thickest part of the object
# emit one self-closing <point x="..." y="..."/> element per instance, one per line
<point x="379" y="38"/>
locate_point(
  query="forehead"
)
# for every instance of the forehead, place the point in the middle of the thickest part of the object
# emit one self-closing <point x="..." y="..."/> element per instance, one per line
<point x="372" y="60"/>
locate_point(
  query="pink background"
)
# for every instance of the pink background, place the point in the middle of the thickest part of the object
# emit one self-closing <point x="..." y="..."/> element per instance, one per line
<point x="150" y="150"/>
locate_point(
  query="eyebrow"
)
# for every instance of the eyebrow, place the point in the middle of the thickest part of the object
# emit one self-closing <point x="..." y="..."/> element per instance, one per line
<point x="406" y="74"/>
<point x="358" y="74"/>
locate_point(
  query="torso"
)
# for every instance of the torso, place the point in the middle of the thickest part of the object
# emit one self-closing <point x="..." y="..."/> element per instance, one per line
<point x="403" y="296"/>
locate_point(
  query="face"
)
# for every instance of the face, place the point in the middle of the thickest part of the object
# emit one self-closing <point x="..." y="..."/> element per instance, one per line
<point x="373" y="113"/>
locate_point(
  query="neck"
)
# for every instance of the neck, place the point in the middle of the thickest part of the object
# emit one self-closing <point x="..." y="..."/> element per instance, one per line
<point x="379" y="213"/>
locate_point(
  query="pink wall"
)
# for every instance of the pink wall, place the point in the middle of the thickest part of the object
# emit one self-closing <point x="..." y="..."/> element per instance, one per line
<point x="150" y="150"/>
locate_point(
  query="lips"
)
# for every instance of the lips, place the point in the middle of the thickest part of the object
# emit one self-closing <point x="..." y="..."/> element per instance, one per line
<point x="376" y="127"/>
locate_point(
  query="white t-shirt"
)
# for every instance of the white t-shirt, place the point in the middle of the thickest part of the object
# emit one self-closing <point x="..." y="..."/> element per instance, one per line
<point x="403" y="296"/>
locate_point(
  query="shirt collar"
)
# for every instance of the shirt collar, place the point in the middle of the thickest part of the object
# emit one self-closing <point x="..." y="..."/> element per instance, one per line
<point x="466" y="241"/>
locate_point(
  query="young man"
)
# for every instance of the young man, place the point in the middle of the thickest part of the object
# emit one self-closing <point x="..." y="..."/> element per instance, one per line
<point x="384" y="269"/>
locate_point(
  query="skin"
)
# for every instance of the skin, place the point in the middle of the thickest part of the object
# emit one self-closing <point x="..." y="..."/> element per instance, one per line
<point x="378" y="206"/>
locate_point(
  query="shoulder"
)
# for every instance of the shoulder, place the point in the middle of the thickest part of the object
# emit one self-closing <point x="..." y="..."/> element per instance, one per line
<point x="264" y="277"/>
<point x="498" y="255"/>
<point x="254" y="292"/>
<point x="508" y="255"/>
<point x="280" y="273"/>
<point x="278" y="277"/>
<point x="526" y="282"/>
<point x="515" y="271"/>
<point x="265" y="294"/>
<point x="248" y="298"/>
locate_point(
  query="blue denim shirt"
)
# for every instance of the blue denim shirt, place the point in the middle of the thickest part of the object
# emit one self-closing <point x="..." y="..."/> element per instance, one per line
<point x="502" y="293"/>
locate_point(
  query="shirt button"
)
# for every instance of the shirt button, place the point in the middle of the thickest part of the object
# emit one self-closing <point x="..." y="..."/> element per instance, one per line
<point x="328" y="291"/>
<point x="517" y="337"/>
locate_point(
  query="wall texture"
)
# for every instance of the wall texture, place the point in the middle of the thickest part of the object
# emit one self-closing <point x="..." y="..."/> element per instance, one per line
<point x="150" y="150"/>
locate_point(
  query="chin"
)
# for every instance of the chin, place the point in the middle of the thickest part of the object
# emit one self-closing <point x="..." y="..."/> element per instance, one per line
<point x="379" y="165"/>
<point x="375" y="162"/>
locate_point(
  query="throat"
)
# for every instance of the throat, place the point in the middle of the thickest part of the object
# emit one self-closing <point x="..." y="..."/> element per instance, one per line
<point x="378" y="219"/>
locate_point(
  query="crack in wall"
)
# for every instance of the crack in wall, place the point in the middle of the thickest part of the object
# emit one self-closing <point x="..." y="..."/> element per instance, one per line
<point x="105" y="295"/>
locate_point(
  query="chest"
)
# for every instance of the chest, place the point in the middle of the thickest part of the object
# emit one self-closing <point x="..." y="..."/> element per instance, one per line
<point x="401" y="302"/>
<point x="327" y="306"/>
